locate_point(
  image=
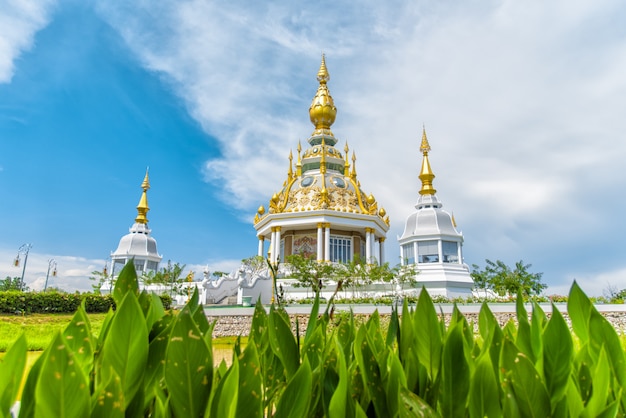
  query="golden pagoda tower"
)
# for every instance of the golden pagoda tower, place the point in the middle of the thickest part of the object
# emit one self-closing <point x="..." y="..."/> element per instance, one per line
<point x="322" y="211"/>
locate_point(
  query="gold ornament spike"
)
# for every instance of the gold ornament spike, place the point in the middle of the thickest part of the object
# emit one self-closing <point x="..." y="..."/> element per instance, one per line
<point x="426" y="173"/>
<point x="322" y="112"/>
<point x="142" y="207"/>
<point x="299" y="163"/>
<point x="346" y="164"/>
<point x="323" y="160"/>
<point x="290" y="172"/>
<point x="353" y="173"/>
<point x="453" y="220"/>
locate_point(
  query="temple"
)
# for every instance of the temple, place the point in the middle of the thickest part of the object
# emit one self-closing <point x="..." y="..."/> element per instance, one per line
<point x="138" y="244"/>
<point x="321" y="210"/>
<point x="431" y="242"/>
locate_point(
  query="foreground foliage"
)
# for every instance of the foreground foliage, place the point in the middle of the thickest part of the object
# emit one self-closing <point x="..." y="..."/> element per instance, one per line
<point x="146" y="362"/>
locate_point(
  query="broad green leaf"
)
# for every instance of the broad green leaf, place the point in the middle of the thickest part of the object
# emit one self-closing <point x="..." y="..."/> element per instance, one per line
<point x="557" y="355"/>
<point x="575" y="404"/>
<point x="579" y="309"/>
<point x="601" y="385"/>
<point x="259" y="324"/>
<point x="27" y="406"/>
<point x="314" y="347"/>
<point x="345" y="336"/>
<point x="283" y="342"/>
<point x="603" y="334"/>
<point x="412" y="406"/>
<point x="370" y="370"/>
<point x="125" y="349"/>
<point x="62" y="388"/>
<point x="250" y="399"/>
<point x="312" y="325"/>
<point x="11" y="371"/>
<point x="428" y="335"/>
<point x="80" y="340"/>
<point x="406" y="333"/>
<point x="532" y="398"/>
<point x="455" y="376"/>
<point x="524" y="339"/>
<point x="484" y="393"/>
<point x="188" y="367"/>
<point x="536" y="331"/>
<point x="104" y="329"/>
<point x="337" y="405"/>
<point x="396" y="381"/>
<point x="126" y="282"/>
<point x="224" y="401"/>
<point x="157" y="350"/>
<point x="393" y="330"/>
<point x="108" y="401"/>
<point x="294" y="401"/>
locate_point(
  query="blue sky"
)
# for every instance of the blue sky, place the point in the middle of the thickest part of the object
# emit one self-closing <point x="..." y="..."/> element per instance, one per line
<point x="523" y="105"/>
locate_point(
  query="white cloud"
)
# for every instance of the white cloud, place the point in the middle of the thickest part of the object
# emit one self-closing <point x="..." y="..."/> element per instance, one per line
<point x="523" y="104"/>
<point x="19" y="22"/>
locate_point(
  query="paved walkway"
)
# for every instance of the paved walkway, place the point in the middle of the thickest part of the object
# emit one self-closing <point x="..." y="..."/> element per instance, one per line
<point x="446" y="308"/>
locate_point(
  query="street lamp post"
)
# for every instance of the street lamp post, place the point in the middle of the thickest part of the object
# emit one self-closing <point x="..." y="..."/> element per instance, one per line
<point x="24" y="249"/>
<point x="52" y="264"/>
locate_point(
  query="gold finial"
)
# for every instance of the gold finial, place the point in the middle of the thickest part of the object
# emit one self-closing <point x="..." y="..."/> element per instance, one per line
<point x="290" y="172"/>
<point x="299" y="163"/>
<point x="142" y="207"/>
<point x="353" y="173"/>
<point x="322" y="74"/>
<point x="323" y="111"/>
<point x="323" y="160"/>
<point x="426" y="173"/>
<point x="346" y="164"/>
<point x="453" y="220"/>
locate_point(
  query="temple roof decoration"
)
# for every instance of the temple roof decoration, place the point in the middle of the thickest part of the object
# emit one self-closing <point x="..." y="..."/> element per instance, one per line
<point x="323" y="178"/>
<point x="426" y="174"/>
<point x="142" y="207"/>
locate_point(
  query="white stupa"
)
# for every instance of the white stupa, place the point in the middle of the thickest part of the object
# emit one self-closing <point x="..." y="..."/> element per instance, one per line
<point x="137" y="244"/>
<point x="431" y="242"/>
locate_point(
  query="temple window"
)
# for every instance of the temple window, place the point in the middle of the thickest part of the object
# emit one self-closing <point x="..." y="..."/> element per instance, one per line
<point x="450" y="252"/>
<point x="340" y="249"/>
<point x="427" y="252"/>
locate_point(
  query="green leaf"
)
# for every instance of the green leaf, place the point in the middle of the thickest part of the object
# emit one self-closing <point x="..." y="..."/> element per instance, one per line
<point x="126" y="282"/>
<point x="314" y="347"/>
<point x="557" y="356"/>
<point x="396" y="381"/>
<point x="250" y="399"/>
<point x="292" y="403"/>
<point x="428" y="335"/>
<point x="125" y="349"/>
<point x="283" y="342"/>
<point x="579" y="309"/>
<point x="530" y="393"/>
<point x="523" y="340"/>
<point x="339" y="399"/>
<point x="601" y="385"/>
<point x="455" y="378"/>
<point x="412" y="406"/>
<point x="225" y="400"/>
<point x="603" y="334"/>
<point x="188" y="368"/>
<point x="108" y="401"/>
<point x="11" y="371"/>
<point x="80" y="340"/>
<point x="371" y="371"/>
<point x="484" y="393"/>
<point x="27" y="406"/>
<point x="312" y="325"/>
<point x="62" y="389"/>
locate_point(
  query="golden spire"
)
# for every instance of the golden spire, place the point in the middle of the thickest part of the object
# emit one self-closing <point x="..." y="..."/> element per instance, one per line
<point x="426" y="174"/>
<point x="323" y="111"/>
<point x="347" y="162"/>
<point x="453" y="220"/>
<point x="299" y="163"/>
<point x="323" y="160"/>
<point x="142" y="207"/>
<point x="290" y="172"/>
<point x="353" y="173"/>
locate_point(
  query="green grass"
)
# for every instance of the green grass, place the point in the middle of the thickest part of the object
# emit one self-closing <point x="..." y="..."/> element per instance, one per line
<point x="39" y="328"/>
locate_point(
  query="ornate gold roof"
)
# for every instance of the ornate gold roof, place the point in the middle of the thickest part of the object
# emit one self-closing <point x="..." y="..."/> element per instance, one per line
<point x="323" y="179"/>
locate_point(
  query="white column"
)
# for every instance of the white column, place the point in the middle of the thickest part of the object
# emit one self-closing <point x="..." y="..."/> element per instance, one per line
<point x="368" y="245"/>
<point x="415" y="255"/>
<point x="277" y="247"/>
<point x="381" y="250"/>
<point x="261" y="245"/>
<point x="327" y="243"/>
<point x="440" y="250"/>
<point x="273" y="245"/>
<point x="320" y="242"/>
<point x="460" y="252"/>
<point x="402" y="257"/>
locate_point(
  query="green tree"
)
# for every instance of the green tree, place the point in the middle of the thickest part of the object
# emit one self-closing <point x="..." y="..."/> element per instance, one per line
<point x="309" y="272"/>
<point x="98" y="278"/>
<point x="169" y="276"/>
<point x="12" y="284"/>
<point x="505" y="280"/>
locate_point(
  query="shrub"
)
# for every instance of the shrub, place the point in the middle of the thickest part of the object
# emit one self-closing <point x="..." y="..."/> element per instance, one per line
<point x="147" y="362"/>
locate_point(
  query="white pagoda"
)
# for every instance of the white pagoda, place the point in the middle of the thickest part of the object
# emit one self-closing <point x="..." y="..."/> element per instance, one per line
<point x="138" y="244"/>
<point x="431" y="242"/>
<point x="321" y="211"/>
